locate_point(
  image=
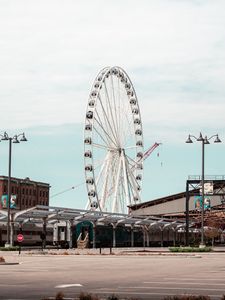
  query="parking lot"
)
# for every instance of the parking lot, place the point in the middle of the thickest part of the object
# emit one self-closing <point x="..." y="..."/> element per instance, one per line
<point x="127" y="275"/>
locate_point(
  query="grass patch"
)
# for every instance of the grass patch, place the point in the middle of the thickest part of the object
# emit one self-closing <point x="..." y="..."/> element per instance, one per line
<point x="14" y="248"/>
<point x="187" y="297"/>
<point x="190" y="249"/>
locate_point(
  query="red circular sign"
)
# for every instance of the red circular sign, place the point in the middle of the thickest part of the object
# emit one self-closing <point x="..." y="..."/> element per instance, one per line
<point x="20" y="238"/>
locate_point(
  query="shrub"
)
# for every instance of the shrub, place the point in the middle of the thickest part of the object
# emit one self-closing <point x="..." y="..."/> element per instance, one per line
<point x="2" y="259"/>
<point x="113" y="297"/>
<point x="13" y="248"/>
<point x="59" y="296"/>
<point x="188" y="297"/>
<point x="86" y="296"/>
<point x="190" y="249"/>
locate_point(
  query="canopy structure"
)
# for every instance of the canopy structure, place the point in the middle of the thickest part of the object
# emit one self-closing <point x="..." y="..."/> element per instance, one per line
<point x="54" y="214"/>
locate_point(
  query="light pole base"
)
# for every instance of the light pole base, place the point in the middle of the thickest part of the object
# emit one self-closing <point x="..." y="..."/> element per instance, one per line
<point x="202" y="246"/>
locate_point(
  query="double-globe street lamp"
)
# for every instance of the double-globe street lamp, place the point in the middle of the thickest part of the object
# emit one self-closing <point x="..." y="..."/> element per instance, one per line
<point x="15" y="139"/>
<point x="204" y="141"/>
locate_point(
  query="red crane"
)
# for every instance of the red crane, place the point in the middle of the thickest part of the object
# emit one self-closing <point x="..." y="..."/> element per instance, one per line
<point x="150" y="150"/>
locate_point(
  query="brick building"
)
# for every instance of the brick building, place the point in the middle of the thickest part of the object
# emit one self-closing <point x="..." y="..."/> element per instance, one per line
<point x="27" y="193"/>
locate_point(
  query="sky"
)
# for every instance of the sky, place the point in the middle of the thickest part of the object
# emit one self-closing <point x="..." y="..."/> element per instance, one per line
<point x="50" y="53"/>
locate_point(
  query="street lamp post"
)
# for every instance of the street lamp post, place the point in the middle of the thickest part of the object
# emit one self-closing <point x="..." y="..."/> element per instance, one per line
<point x="204" y="141"/>
<point x="14" y="139"/>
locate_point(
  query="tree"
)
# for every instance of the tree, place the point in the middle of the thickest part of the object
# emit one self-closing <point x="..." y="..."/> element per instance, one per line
<point x="213" y="229"/>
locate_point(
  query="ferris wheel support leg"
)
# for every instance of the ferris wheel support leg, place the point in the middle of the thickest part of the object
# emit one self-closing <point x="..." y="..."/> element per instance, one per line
<point x="103" y="196"/>
<point x="115" y="203"/>
<point x="127" y="196"/>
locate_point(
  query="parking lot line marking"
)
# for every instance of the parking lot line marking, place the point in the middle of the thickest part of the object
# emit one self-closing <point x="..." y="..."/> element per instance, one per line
<point x="194" y="278"/>
<point x="176" y="282"/>
<point x="147" y="293"/>
<point x="61" y="286"/>
<point x="170" y="288"/>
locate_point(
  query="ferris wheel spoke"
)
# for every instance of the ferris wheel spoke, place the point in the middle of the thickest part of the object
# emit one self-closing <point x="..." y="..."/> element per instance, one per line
<point x="130" y="147"/>
<point x="119" y="104"/>
<point x="128" y="132"/>
<point x="105" y="184"/>
<point x="104" y="164"/>
<point x="111" y="113"/>
<point x="101" y="126"/>
<point x="106" y="118"/>
<point x="102" y="146"/>
<point x="115" y="112"/>
<point x="106" y="134"/>
<point x="130" y="161"/>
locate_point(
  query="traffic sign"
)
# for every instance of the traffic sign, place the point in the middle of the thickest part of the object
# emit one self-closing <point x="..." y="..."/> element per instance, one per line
<point x="20" y="238"/>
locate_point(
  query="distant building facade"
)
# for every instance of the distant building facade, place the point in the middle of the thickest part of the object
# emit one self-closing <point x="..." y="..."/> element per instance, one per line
<point x="25" y="193"/>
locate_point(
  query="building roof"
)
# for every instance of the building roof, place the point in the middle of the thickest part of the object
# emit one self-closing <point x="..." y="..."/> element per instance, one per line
<point x="218" y="183"/>
<point x="25" y="180"/>
<point x="158" y="201"/>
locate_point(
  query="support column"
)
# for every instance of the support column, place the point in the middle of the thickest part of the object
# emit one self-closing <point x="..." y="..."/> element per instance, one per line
<point x="94" y="235"/>
<point x="114" y="235"/>
<point x="147" y="235"/>
<point x="174" y="237"/>
<point x="187" y="215"/>
<point x="132" y="236"/>
<point x="161" y="231"/>
<point x="44" y="234"/>
<point x="71" y="234"/>
<point x="11" y="229"/>
<point x="144" y="238"/>
<point x="68" y="233"/>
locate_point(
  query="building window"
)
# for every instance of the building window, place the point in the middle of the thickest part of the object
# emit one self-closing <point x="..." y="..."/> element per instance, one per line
<point x="23" y="191"/>
<point x="5" y="189"/>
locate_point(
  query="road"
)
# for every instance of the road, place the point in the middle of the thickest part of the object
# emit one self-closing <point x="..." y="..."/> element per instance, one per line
<point x="151" y="276"/>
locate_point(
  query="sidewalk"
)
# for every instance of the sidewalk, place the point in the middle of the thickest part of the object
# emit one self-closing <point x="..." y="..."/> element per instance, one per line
<point x="107" y="251"/>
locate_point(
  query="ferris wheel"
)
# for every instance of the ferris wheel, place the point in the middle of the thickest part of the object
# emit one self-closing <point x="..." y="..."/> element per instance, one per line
<point x="113" y="143"/>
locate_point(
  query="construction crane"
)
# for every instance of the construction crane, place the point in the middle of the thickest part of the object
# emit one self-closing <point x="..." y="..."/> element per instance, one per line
<point x="145" y="155"/>
<point x="150" y="150"/>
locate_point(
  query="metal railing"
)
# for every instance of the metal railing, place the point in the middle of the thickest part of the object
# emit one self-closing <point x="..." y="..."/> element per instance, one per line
<point x="206" y="177"/>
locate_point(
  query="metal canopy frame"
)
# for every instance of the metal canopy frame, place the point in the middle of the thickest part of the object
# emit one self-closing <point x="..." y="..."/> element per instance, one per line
<point x="194" y="182"/>
<point x="54" y="214"/>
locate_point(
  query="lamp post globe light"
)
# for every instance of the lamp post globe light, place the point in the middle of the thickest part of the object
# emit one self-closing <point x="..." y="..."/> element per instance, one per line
<point x="204" y="141"/>
<point x="15" y="139"/>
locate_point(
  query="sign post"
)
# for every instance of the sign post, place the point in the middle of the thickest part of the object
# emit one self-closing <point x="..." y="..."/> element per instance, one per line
<point x="20" y="239"/>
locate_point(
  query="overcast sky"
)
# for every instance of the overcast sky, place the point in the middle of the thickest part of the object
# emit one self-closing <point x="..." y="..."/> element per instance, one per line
<point x="50" y="53"/>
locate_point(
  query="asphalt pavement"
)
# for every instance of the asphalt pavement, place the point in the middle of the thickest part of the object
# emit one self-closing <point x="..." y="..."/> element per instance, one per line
<point x="136" y="275"/>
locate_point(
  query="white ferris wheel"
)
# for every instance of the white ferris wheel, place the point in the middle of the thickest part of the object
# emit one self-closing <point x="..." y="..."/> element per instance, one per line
<point x="113" y="143"/>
